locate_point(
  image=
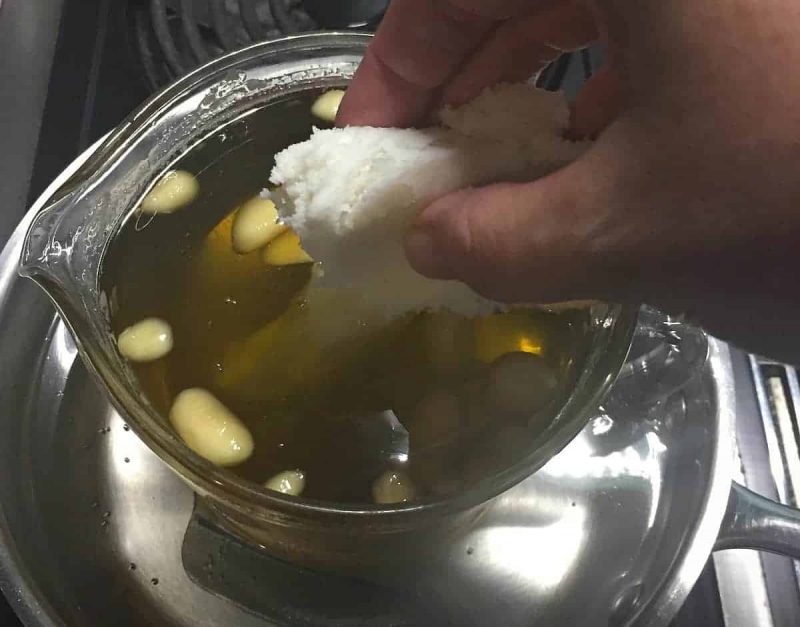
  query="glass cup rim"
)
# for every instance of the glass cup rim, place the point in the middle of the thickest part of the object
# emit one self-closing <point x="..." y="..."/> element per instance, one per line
<point x="225" y="487"/>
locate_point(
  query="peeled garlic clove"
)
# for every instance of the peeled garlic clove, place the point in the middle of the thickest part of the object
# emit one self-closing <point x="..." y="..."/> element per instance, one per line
<point x="393" y="486"/>
<point x="147" y="340"/>
<point x="448" y="341"/>
<point x="176" y="189"/>
<point x="288" y="482"/>
<point x="327" y="105"/>
<point x="520" y="383"/>
<point x="285" y="250"/>
<point x="477" y="409"/>
<point x="255" y="225"/>
<point x="435" y="420"/>
<point x="209" y="428"/>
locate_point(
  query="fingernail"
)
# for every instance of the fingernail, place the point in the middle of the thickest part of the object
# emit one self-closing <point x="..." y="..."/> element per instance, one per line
<point x="423" y="255"/>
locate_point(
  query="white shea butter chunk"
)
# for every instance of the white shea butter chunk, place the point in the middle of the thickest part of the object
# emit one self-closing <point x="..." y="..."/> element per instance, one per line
<point x="351" y="193"/>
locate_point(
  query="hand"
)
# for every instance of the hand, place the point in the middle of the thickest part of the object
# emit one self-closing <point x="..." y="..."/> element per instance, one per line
<point x="689" y="198"/>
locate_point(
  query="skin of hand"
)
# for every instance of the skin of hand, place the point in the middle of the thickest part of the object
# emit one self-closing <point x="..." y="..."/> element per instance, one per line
<point x="689" y="198"/>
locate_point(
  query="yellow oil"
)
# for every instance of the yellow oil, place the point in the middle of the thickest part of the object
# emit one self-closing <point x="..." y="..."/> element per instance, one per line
<point x="313" y="372"/>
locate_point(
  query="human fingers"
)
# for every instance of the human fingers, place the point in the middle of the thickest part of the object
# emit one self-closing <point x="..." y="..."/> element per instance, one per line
<point x="598" y="103"/>
<point x="520" y="47"/>
<point x="419" y="46"/>
<point x="547" y="240"/>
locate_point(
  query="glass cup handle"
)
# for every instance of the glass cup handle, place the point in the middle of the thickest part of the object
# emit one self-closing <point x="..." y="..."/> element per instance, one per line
<point x="666" y="353"/>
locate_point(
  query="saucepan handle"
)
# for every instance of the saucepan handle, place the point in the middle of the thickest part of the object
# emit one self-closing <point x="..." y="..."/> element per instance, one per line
<point x="754" y="522"/>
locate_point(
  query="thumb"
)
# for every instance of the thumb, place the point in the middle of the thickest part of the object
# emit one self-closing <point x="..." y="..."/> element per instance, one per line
<point x="544" y="241"/>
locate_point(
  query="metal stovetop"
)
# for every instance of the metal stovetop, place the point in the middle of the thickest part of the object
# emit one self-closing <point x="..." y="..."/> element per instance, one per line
<point x="69" y="89"/>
